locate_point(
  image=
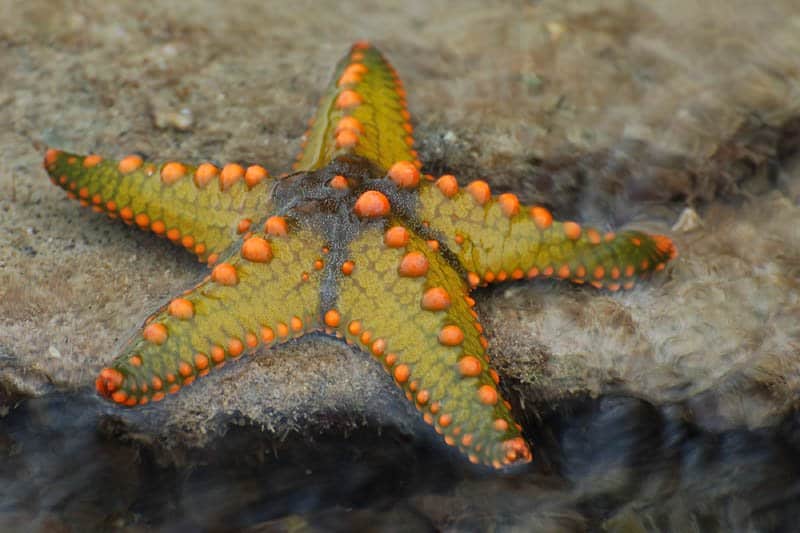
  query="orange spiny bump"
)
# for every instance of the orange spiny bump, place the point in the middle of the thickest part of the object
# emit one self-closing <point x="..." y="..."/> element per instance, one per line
<point x="296" y="324"/>
<point x="572" y="230"/>
<point x="448" y="185"/>
<point x="155" y="333"/>
<point x="347" y="99"/>
<point x="517" y="450"/>
<point x="665" y="245"/>
<point x="172" y="172"/>
<point x="346" y="139"/>
<point x="451" y="335"/>
<point x="158" y="227"/>
<point x="500" y="424"/>
<point x="142" y="220"/>
<point x="423" y="397"/>
<point x="243" y="225"/>
<point x="349" y="124"/>
<point x="487" y="395"/>
<point x="185" y="369"/>
<point x="354" y="327"/>
<point x="435" y="299"/>
<point x="276" y="226"/>
<point x="181" y="308"/>
<point x="267" y="334"/>
<point x="217" y="354"/>
<point x="108" y="381"/>
<point x="129" y="164"/>
<point x="201" y="361"/>
<point x="396" y="237"/>
<point x="480" y="191"/>
<point x="254" y="175"/>
<point x="401" y="373"/>
<point x="372" y="204"/>
<point x="339" y="182"/>
<point x="541" y="217"/>
<point x="509" y="204"/>
<point x="235" y="347"/>
<point x="593" y="236"/>
<point x="135" y="360"/>
<point x="283" y="329"/>
<point x="563" y="271"/>
<point x="50" y="157"/>
<point x="225" y="274"/>
<point x="231" y="173"/>
<point x="469" y="366"/>
<point x="257" y="250"/>
<point x="378" y="347"/>
<point x="404" y="174"/>
<point x="413" y="264"/>
<point x="599" y="272"/>
<point x="333" y="318"/>
<point x="204" y="174"/>
<point x="250" y="339"/>
<point x="347" y="267"/>
<point x="92" y="160"/>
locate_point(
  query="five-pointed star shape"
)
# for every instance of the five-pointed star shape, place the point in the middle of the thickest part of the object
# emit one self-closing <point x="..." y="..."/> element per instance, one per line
<point x="357" y="243"/>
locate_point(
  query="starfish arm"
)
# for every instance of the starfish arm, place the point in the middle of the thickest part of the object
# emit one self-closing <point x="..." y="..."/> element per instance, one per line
<point x="363" y="113"/>
<point x="264" y="291"/>
<point x="495" y="238"/>
<point x="407" y="306"/>
<point x="200" y="208"/>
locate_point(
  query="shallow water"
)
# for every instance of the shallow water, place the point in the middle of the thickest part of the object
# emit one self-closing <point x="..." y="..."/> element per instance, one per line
<point x="616" y="463"/>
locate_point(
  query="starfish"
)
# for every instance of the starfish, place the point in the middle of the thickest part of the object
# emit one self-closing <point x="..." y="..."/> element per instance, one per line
<point x="357" y="243"/>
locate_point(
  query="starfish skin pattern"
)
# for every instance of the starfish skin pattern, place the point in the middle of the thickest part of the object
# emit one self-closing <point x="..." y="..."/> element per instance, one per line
<point x="356" y="242"/>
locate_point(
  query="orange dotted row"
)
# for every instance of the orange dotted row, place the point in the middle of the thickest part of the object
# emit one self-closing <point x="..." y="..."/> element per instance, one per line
<point x="415" y="264"/>
<point x="543" y="219"/>
<point x="99" y="205"/>
<point x="110" y="381"/>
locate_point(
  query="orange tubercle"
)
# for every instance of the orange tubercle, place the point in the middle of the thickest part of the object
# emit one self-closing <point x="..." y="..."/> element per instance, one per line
<point x="413" y="264"/>
<point x="665" y="245"/>
<point x="572" y="230"/>
<point x="332" y="318"/>
<point x="108" y="381"/>
<point x="541" y="217"/>
<point x="346" y="139"/>
<point x="448" y="185"/>
<point x="402" y="373"/>
<point x="509" y="204"/>
<point x="435" y="299"/>
<point x="129" y="164"/>
<point x="155" y="333"/>
<point x="347" y="267"/>
<point x="204" y="174"/>
<point x="347" y="99"/>
<point x="372" y="204"/>
<point x="396" y="237"/>
<point x="231" y="173"/>
<point x="487" y="395"/>
<point x="181" y="308"/>
<point x="172" y="172"/>
<point x="257" y="250"/>
<point x="276" y="226"/>
<point x="480" y="191"/>
<point x="451" y="335"/>
<point x="404" y="174"/>
<point x="254" y="175"/>
<point x="92" y="160"/>
<point x="470" y="366"/>
<point x="339" y="182"/>
<point x="225" y="274"/>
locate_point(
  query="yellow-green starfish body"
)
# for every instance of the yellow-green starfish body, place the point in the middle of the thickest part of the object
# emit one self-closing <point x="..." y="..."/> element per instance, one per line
<point x="355" y="243"/>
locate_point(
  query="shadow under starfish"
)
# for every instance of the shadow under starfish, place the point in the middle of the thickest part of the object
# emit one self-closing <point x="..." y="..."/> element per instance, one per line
<point x="355" y="242"/>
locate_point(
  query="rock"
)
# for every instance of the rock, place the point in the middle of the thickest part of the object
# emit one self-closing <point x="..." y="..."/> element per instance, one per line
<point x="638" y="112"/>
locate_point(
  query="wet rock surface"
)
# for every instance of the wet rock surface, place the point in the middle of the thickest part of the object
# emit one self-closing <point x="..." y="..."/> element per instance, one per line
<point x="612" y="113"/>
